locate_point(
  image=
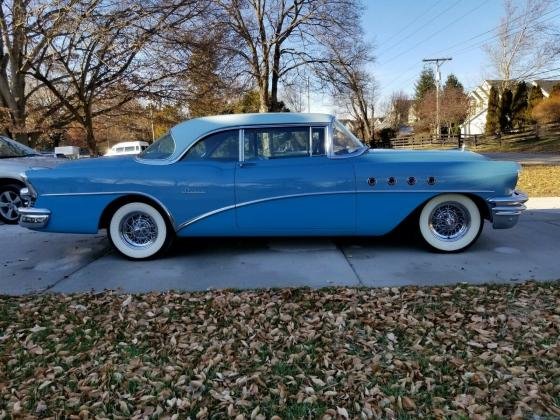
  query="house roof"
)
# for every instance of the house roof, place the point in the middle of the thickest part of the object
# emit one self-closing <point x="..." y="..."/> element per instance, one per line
<point x="546" y="85"/>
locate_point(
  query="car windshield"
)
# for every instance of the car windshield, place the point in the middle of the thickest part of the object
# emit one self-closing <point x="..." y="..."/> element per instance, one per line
<point x="13" y="149"/>
<point x="162" y="148"/>
<point x="344" y="142"/>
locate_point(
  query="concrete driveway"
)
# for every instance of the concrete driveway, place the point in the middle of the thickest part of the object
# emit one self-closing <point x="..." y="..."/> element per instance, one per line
<point x="33" y="262"/>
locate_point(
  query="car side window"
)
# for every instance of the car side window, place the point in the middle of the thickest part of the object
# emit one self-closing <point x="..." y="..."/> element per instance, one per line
<point x="318" y="141"/>
<point x="281" y="142"/>
<point x="223" y="145"/>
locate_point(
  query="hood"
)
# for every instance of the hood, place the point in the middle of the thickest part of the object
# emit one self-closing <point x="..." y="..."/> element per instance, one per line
<point x="434" y="156"/>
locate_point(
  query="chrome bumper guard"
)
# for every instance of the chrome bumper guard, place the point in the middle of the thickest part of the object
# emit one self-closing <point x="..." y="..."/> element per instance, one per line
<point x="506" y="210"/>
<point x="32" y="218"/>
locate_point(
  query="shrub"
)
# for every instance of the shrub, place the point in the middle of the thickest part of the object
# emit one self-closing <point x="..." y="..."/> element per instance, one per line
<point x="547" y="111"/>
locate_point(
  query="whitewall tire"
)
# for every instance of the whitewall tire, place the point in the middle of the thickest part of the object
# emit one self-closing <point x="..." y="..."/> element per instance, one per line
<point x="450" y="222"/>
<point x="139" y="231"/>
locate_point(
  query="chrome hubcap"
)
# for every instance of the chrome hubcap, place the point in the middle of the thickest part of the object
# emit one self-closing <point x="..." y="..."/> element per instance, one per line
<point x="450" y="221"/>
<point x="138" y="230"/>
<point x="9" y="204"/>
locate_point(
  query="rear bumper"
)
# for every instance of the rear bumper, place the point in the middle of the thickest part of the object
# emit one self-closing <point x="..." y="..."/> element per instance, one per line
<point x="32" y="218"/>
<point x="506" y="210"/>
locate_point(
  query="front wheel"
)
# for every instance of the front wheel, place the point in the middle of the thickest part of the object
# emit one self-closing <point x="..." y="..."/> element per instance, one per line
<point x="139" y="231"/>
<point x="450" y="222"/>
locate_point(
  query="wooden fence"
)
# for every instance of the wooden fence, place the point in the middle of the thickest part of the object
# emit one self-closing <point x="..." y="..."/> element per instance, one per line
<point x="444" y="142"/>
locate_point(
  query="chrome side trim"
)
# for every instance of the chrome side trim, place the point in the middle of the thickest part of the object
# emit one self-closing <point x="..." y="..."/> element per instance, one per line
<point x="33" y="218"/>
<point x="167" y="212"/>
<point x="506" y="210"/>
<point x="281" y="197"/>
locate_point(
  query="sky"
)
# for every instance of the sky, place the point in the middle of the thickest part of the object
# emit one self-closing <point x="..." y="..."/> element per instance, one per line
<point x="406" y="31"/>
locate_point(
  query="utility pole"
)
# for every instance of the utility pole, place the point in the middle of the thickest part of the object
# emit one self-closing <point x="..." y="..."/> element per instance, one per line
<point x="438" y="62"/>
<point x="308" y="101"/>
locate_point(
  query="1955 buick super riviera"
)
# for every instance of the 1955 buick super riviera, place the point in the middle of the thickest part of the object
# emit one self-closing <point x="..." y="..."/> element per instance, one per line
<point x="276" y="174"/>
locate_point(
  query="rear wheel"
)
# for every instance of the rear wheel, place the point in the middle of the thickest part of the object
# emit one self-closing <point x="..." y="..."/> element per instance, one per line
<point x="450" y="222"/>
<point x="10" y="201"/>
<point x="139" y="231"/>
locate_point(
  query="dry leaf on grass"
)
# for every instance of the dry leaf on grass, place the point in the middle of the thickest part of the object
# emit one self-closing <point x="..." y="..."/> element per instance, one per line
<point x="460" y="351"/>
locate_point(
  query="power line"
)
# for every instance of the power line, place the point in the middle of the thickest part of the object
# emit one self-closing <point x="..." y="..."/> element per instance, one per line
<point x="480" y="43"/>
<point x="438" y="63"/>
<point x="476" y="45"/>
<point x="416" y="20"/>
<point x="494" y="29"/>
<point x="438" y="31"/>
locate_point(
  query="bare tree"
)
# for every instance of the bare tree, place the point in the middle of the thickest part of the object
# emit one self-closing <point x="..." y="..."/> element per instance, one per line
<point x="524" y="44"/>
<point x="344" y="71"/>
<point x="276" y="37"/>
<point x="293" y="96"/>
<point x="105" y="55"/>
<point x="21" y="43"/>
<point x="399" y="108"/>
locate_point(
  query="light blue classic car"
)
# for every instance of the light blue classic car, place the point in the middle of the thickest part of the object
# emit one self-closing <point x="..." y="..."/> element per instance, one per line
<point x="277" y="174"/>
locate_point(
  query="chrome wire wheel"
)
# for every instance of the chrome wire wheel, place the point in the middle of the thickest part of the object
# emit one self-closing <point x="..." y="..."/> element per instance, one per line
<point x="10" y="201"/>
<point x="138" y="229"/>
<point x="450" y="221"/>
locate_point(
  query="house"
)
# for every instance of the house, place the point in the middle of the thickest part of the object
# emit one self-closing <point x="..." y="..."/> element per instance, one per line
<point x="476" y="121"/>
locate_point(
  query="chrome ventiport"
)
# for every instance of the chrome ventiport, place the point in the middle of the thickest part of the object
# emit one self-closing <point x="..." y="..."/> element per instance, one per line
<point x="371" y="182"/>
<point x="411" y="180"/>
<point x="431" y="180"/>
<point x="391" y="180"/>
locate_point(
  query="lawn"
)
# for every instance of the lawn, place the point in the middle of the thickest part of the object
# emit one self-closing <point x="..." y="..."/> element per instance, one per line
<point x="540" y="180"/>
<point x="299" y="353"/>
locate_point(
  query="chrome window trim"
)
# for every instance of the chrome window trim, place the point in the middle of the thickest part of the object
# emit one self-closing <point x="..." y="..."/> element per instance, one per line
<point x="310" y="125"/>
<point x="168" y="161"/>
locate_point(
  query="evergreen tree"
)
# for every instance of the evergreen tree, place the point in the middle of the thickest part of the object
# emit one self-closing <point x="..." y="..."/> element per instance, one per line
<point x="519" y="105"/>
<point x="453" y="82"/>
<point x="505" y="111"/>
<point x="535" y="96"/>
<point x="492" y="116"/>
<point x="425" y="83"/>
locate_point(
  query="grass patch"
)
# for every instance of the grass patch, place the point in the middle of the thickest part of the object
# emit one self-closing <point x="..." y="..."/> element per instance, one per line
<point x="411" y="352"/>
<point x="540" y="180"/>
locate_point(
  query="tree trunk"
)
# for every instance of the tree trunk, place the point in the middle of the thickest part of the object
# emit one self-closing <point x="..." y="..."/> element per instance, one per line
<point x="264" y="99"/>
<point x="90" y="136"/>
<point x="274" y="82"/>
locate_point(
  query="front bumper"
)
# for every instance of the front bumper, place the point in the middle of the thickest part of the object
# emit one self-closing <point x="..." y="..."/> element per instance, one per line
<point x="32" y="218"/>
<point x="506" y="210"/>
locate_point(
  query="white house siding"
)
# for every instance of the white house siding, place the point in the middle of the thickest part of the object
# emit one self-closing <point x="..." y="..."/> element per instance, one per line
<point x="475" y="125"/>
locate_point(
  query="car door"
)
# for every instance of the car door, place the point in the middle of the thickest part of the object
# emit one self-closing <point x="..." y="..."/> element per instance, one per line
<point x="205" y="177"/>
<point x="286" y="184"/>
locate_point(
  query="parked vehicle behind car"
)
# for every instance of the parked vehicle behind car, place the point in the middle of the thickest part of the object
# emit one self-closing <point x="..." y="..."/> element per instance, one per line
<point x="15" y="159"/>
<point x="127" y="148"/>
<point x="275" y="174"/>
